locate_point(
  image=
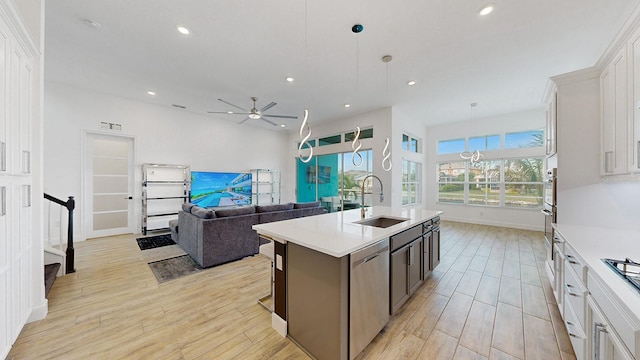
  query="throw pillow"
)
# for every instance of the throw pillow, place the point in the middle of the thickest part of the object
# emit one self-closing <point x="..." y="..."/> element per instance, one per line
<point x="245" y="210"/>
<point x="306" y="205"/>
<point x="202" y="212"/>
<point x="275" y="207"/>
<point x="186" y="207"/>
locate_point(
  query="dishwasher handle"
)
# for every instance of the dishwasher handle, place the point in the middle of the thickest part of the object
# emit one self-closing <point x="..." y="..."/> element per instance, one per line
<point x="370" y="253"/>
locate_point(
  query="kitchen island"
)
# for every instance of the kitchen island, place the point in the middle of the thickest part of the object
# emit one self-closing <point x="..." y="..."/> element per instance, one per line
<point x="337" y="277"/>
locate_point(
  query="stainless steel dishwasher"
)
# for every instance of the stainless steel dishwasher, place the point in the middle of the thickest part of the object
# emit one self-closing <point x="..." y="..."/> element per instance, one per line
<point x="368" y="295"/>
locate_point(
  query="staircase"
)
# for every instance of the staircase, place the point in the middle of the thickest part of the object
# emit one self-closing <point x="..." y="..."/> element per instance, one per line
<point x="53" y="259"/>
<point x="50" y="274"/>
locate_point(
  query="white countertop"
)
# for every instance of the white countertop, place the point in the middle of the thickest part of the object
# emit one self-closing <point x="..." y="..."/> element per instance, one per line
<point x="336" y="234"/>
<point x="596" y="243"/>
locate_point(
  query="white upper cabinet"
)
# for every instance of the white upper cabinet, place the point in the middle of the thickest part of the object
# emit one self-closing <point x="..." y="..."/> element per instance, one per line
<point x="4" y="111"/>
<point x="634" y="102"/>
<point x="614" y="123"/>
<point x="551" y="124"/>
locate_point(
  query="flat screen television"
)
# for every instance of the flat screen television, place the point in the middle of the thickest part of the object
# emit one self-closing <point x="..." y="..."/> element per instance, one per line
<point x="215" y="189"/>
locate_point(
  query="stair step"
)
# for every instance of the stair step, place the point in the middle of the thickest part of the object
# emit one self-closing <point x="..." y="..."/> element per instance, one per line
<point x="50" y="272"/>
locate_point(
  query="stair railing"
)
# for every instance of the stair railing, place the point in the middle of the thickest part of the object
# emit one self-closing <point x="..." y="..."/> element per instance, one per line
<point x="70" y="205"/>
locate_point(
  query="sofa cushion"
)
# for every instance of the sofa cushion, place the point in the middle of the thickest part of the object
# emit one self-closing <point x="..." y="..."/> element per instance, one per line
<point x="245" y="210"/>
<point x="186" y="207"/>
<point x="202" y="212"/>
<point x="306" y="205"/>
<point x="275" y="207"/>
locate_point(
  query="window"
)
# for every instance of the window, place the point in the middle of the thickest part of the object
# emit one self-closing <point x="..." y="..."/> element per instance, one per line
<point x="330" y="140"/>
<point x="514" y="183"/>
<point x="305" y="146"/>
<point x="451" y="180"/>
<point x="364" y="134"/>
<point x="411" y="171"/>
<point x="523" y="139"/>
<point x="451" y="146"/>
<point x="410" y="143"/>
<point x="523" y="182"/>
<point x="482" y="143"/>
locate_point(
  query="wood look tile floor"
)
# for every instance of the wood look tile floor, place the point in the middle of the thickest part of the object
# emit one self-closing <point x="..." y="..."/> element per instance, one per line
<point x="488" y="299"/>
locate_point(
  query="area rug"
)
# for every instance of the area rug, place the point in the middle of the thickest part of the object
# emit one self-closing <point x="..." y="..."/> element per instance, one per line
<point x="173" y="268"/>
<point x="152" y="242"/>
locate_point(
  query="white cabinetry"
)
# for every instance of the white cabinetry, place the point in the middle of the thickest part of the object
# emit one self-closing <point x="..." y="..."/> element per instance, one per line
<point x="18" y="294"/>
<point x="605" y="343"/>
<point x="551" y="122"/>
<point x="265" y="187"/>
<point x="614" y="116"/>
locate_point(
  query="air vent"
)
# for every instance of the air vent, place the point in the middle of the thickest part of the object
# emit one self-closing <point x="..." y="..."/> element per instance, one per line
<point x="110" y="126"/>
<point x="179" y="106"/>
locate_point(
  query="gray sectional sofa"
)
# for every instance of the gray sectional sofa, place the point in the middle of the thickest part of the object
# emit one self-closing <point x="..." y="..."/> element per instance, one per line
<point x="213" y="237"/>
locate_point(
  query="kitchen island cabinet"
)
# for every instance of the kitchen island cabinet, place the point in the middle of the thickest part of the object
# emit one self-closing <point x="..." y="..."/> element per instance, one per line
<point x="327" y="304"/>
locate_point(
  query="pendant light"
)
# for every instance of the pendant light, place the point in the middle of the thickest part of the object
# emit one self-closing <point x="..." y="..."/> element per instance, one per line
<point x="474" y="156"/>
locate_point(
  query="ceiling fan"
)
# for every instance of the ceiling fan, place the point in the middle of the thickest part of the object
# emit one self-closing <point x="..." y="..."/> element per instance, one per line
<point x="254" y="113"/>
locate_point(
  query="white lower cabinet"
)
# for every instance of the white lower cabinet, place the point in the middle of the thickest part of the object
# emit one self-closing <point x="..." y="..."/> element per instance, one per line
<point x="605" y="344"/>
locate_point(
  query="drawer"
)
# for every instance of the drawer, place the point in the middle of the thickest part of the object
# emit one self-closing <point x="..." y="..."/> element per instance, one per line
<point x="624" y="323"/>
<point x="576" y="334"/>
<point x="575" y="262"/>
<point x="575" y="295"/>
<point x="405" y="237"/>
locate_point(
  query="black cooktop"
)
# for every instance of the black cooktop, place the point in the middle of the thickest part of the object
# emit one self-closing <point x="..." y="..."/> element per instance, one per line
<point x="627" y="268"/>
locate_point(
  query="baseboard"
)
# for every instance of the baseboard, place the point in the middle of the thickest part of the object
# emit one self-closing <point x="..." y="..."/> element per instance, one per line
<point x="39" y="312"/>
<point x="279" y="324"/>
<point x="494" y="223"/>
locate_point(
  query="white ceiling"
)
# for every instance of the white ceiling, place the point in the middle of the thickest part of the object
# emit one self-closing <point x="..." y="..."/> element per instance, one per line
<point x="244" y="48"/>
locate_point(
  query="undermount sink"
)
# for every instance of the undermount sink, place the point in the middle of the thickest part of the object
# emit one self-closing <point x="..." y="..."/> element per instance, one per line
<point x="381" y="221"/>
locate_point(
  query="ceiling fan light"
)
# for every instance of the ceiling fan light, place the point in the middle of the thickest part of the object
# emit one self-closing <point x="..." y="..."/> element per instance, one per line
<point x="254" y="116"/>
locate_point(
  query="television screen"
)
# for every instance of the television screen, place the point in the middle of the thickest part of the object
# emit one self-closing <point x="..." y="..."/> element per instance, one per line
<point x="212" y="189"/>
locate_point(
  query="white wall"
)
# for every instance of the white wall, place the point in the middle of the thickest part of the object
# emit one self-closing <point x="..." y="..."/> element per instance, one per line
<point x="162" y="135"/>
<point x="517" y="218"/>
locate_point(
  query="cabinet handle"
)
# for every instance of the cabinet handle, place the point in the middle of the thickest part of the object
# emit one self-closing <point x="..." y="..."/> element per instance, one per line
<point x="569" y="259"/>
<point x="411" y="253"/>
<point x="3" y="156"/>
<point x="597" y="329"/>
<point x="608" y="156"/>
<point x="567" y="288"/>
<point x="3" y="206"/>
<point x="26" y="162"/>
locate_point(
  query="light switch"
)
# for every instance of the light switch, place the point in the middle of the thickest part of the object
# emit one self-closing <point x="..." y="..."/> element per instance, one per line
<point x="279" y="262"/>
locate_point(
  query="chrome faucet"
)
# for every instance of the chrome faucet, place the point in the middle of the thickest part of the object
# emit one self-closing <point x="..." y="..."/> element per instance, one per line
<point x="364" y="181"/>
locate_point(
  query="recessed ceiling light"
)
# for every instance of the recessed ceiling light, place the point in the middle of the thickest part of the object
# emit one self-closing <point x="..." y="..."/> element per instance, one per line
<point x="283" y="125"/>
<point x="229" y="112"/>
<point x="290" y="79"/>
<point x="347" y="105"/>
<point x="486" y="10"/>
<point x="183" y="30"/>
<point x="152" y="93"/>
<point x="411" y="82"/>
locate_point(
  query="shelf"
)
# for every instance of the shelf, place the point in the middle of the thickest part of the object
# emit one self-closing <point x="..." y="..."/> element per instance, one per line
<point x="155" y="178"/>
<point x="267" y="185"/>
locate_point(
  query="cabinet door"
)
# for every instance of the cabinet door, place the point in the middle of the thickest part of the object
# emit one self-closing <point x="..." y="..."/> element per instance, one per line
<point x="435" y="248"/>
<point x="634" y="128"/>
<point x="399" y="278"/>
<point x="414" y="265"/>
<point x="426" y="256"/>
<point x="4" y="91"/>
<point x="614" y="116"/>
<point x="551" y="125"/>
<point x="605" y="344"/>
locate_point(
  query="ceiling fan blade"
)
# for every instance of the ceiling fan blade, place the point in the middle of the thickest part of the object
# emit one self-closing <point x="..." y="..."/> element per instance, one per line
<point x="226" y="112"/>
<point x="235" y="106"/>
<point x="269" y="121"/>
<point x="281" y="116"/>
<point x="268" y="106"/>
<point x="245" y="119"/>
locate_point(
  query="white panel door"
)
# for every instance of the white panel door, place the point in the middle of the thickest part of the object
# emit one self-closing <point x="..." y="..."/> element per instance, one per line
<point x="108" y="185"/>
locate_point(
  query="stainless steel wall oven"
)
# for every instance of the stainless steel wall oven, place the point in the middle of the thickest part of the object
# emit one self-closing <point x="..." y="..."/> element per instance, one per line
<point x="549" y="209"/>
